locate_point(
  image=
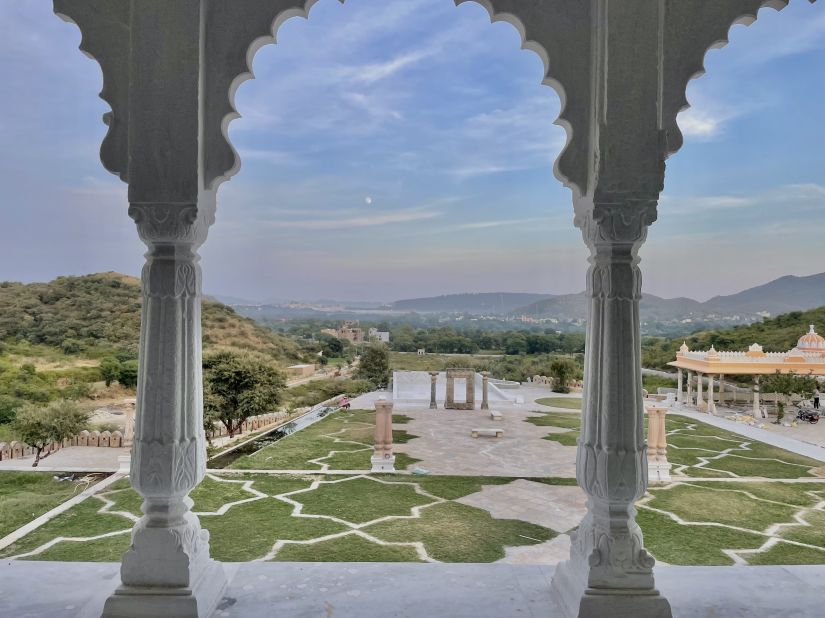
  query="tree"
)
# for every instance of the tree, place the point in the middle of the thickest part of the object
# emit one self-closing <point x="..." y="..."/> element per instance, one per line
<point x="128" y="375"/>
<point x="39" y="427"/>
<point x="110" y="368"/>
<point x="8" y="408"/>
<point x="237" y="386"/>
<point x="788" y="385"/>
<point x="375" y="365"/>
<point x="562" y="371"/>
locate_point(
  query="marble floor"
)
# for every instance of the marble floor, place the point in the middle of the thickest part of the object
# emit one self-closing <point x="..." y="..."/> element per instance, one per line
<point x="392" y="590"/>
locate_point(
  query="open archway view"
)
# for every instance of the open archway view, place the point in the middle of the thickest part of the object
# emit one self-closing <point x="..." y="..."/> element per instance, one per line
<point x="394" y="322"/>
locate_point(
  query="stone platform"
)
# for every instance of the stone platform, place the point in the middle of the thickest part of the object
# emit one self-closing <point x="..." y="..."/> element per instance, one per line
<point x="372" y="590"/>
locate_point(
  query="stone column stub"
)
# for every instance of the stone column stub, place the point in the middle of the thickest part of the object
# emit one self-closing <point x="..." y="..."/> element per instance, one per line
<point x="383" y="459"/>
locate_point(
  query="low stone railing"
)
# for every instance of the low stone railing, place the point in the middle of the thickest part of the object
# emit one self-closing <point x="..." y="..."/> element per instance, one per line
<point x="105" y="439"/>
<point x="253" y="423"/>
<point x="115" y="439"/>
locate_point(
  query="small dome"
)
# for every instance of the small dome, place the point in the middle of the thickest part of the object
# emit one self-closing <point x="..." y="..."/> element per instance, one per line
<point x="712" y="354"/>
<point x="811" y="342"/>
<point x="684" y="349"/>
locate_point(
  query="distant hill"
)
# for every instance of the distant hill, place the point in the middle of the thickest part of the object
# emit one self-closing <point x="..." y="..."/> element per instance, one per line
<point x="483" y="303"/>
<point x="780" y="296"/>
<point x="778" y="334"/>
<point x="96" y="314"/>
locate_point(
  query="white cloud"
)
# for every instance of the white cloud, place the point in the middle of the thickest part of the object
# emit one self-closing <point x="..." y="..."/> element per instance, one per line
<point x="402" y="216"/>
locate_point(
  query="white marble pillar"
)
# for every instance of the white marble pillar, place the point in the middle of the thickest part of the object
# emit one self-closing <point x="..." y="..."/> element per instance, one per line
<point x="433" y="382"/>
<point x="711" y="403"/>
<point x="167" y="570"/>
<point x="700" y="401"/>
<point x="721" y="389"/>
<point x="485" y="379"/>
<point x="609" y="570"/>
<point x="757" y="407"/>
<point x="679" y="387"/>
<point x="690" y="388"/>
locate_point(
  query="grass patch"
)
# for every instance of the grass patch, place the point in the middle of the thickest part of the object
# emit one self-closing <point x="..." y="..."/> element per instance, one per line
<point x="24" y="496"/>
<point x="719" y="505"/>
<point x="401" y="419"/>
<point x="83" y="520"/>
<point x="568" y="438"/>
<point x="248" y="531"/>
<point x="360" y="500"/>
<point x="453" y="532"/>
<point x="401" y="436"/>
<point x="450" y="487"/>
<point x="350" y="548"/>
<point x="294" y="451"/>
<point x="810" y="535"/>
<point x="789" y="493"/>
<point x="785" y="553"/>
<point x="570" y="403"/>
<point x="692" y="545"/>
<point x="108" y="549"/>
<point x="562" y="420"/>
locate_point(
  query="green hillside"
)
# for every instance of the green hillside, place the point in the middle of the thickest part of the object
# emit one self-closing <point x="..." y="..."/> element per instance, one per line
<point x="97" y="315"/>
<point x="778" y="334"/>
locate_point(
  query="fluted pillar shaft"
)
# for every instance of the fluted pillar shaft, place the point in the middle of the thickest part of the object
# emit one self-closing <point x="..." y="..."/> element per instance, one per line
<point x="608" y="563"/>
<point x="485" y="384"/>
<point x="700" y="401"/>
<point x="169" y="549"/>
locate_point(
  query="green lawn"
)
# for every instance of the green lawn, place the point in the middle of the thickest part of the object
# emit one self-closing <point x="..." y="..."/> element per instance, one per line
<point x="446" y="530"/>
<point x="689" y="442"/>
<point x="354" y="432"/>
<point x="449" y="531"/>
<point x="27" y="495"/>
<point x="569" y="403"/>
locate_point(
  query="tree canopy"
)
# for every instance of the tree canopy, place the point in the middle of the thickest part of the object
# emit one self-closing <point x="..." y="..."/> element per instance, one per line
<point x="238" y="386"/>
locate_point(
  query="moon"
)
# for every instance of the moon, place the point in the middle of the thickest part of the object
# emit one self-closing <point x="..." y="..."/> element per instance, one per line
<point x="368" y="200"/>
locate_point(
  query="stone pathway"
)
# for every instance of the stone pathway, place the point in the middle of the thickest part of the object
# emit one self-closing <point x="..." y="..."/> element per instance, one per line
<point x="71" y="459"/>
<point x="560" y="508"/>
<point x="762" y="435"/>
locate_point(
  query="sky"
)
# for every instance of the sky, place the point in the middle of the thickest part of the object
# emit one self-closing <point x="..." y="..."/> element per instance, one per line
<point x="403" y="148"/>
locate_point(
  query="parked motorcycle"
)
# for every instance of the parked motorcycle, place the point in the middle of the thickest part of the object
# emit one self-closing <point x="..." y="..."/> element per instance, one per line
<point x="808" y="416"/>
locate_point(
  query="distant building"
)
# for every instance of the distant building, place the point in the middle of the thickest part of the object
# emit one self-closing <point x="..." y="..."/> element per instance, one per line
<point x="379" y="335"/>
<point x="300" y="371"/>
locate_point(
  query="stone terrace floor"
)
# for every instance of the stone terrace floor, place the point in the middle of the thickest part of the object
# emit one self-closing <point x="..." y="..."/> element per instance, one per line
<point x="345" y="590"/>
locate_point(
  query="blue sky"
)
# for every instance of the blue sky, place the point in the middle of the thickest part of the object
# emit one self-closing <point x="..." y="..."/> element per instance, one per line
<point x="399" y="148"/>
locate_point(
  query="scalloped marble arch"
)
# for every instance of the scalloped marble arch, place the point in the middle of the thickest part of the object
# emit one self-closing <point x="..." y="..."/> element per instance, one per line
<point x="249" y="18"/>
<point x="714" y="21"/>
<point x="560" y="32"/>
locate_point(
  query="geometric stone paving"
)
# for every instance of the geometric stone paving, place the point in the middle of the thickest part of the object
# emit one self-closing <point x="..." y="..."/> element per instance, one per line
<point x="557" y="507"/>
<point x="445" y="446"/>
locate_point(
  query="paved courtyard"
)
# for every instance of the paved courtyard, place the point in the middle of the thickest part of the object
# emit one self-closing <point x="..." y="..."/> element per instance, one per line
<point x="447" y="447"/>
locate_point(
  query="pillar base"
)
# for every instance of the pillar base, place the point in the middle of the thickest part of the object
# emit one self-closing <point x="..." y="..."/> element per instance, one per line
<point x="383" y="464"/>
<point x="198" y="601"/>
<point x="658" y="472"/>
<point x="577" y="600"/>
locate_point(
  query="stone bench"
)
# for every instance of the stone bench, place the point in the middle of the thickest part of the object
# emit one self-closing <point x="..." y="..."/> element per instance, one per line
<point x="487" y="433"/>
<point x="496" y="415"/>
